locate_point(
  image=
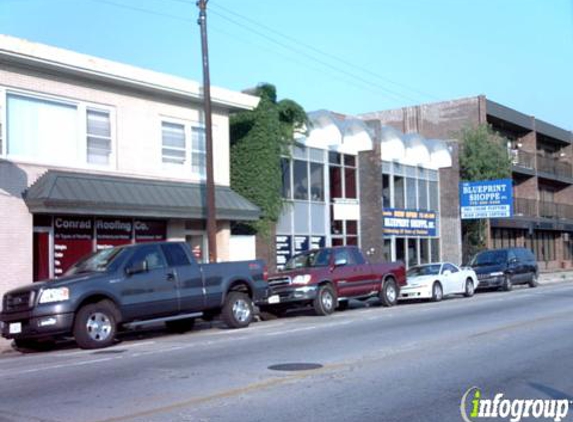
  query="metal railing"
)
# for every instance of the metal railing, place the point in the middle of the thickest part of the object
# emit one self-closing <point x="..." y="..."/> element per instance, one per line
<point x="532" y="208"/>
<point x="554" y="166"/>
<point x="523" y="159"/>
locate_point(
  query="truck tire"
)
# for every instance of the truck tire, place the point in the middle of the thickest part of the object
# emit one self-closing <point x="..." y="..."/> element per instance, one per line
<point x="238" y="310"/>
<point x="95" y="325"/>
<point x="325" y="301"/>
<point x="180" y="326"/>
<point x="389" y="293"/>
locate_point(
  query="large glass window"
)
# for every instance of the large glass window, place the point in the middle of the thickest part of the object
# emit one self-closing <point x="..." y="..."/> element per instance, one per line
<point x="412" y="252"/>
<point x="398" y="192"/>
<point x="180" y="153"/>
<point x="422" y="194"/>
<point x="411" y="193"/>
<point x="435" y="244"/>
<point x="300" y="180"/>
<point x="343" y="183"/>
<point x="98" y="137"/>
<point x="434" y="197"/>
<point x="42" y="129"/>
<point x="316" y="182"/>
<point x="287" y="186"/>
<point x="385" y="191"/>
<point x="335" y="182"/>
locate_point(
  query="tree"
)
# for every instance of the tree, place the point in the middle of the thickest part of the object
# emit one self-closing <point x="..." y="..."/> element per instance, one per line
<point x="483" y="156"/>
<point x="258" y="139"/>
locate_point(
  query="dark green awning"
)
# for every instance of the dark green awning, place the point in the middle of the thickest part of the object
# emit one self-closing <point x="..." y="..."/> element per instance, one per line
<point x="59" y="192"/>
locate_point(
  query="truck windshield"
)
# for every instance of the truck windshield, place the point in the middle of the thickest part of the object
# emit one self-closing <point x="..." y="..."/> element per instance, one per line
<point x="319" y="258"/>
<point x="423" y="270"/>
<point x="489" y="258"/>
<point x="99" y="261"/>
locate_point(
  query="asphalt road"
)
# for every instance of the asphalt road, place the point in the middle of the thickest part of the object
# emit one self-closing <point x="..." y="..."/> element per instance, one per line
<point x="409" y="363"/>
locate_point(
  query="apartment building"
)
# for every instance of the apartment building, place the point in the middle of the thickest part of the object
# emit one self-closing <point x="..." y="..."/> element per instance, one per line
<point x="542" y="170"/>
<point x="95" y="153"/>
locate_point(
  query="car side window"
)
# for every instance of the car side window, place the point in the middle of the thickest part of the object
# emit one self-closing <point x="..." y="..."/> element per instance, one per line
<point x="151" y="254"/>
<point x="450" y="268"/>
<point x="358" y="258"/>
<point x="343" y="254"/>
<point x="175" y="255"/>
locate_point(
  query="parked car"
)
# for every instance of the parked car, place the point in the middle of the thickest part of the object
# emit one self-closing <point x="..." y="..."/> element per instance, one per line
<point x="128" y="286"/>
<point x="434" y="281"/>
<point x="502" y="268"/>
<point x="327" y="278"/>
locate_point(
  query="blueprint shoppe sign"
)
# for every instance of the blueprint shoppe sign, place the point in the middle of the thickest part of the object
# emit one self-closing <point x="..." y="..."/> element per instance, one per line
<point x="409" y="222"/>
<point x="487" y="199"/>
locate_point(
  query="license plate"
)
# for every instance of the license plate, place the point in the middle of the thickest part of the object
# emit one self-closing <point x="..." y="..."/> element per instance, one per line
<point x="274" y="299"/>
<point x="15" y="328"/>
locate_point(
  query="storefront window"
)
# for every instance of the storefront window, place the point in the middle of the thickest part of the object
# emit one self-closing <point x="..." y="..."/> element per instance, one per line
<point x="387" y="252"/>
<point x="401" y="249"/>
<point x="412" y="252"/>
<point x="424" y="251"/>
<point x="422" y="194"/>
<point x="434" y="197"/>
<point x="435" y="244"/>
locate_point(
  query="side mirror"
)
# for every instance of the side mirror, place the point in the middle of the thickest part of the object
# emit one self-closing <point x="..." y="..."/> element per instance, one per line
<point x="138" y="267"/>
<point x="340" y="262"/>
<point x="513" y="261"/>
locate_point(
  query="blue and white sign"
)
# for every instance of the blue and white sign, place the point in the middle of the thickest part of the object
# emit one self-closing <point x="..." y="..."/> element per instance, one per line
<point x="399" y="222"/>
<point x="487" y="199"/>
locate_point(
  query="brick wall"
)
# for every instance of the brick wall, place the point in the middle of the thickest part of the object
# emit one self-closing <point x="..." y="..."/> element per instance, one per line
<point x="371" y="229"/>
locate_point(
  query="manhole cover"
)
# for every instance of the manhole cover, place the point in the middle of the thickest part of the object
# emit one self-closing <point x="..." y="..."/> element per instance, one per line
<point x="109" y="352"/>
<point x="295" y="366"/>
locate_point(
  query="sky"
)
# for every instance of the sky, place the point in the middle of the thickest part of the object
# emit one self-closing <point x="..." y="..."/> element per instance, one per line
<point x="350" y="57"/>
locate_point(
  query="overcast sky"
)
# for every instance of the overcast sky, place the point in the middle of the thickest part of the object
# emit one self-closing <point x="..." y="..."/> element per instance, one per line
<point x="347" y="56"/>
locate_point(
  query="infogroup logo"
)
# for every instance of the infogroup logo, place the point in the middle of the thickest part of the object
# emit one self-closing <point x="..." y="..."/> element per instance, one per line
<point x="474" y="407"/>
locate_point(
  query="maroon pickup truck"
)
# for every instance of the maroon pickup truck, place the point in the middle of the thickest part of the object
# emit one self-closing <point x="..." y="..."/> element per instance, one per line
<point x="327" y="278"/>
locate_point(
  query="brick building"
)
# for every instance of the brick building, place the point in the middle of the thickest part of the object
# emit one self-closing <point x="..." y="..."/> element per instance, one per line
<point x="95" y="153"/>
<point x="357" y="182"/>
<point x="542" y="170"/>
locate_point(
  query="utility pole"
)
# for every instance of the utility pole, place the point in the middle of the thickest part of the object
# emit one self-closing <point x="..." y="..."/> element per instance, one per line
<point x="210" y="188"/>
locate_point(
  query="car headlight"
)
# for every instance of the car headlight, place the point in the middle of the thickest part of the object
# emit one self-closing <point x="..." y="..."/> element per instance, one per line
<point x="59" y="294"/>
<point x="496" y="274"/>
<point x="302" y="279"/>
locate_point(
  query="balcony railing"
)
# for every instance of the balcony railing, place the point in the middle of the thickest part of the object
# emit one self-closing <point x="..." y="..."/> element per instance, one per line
<point x="522" y="159"/>
<point x="553" y="166"/>
<point x="533" y="208"/>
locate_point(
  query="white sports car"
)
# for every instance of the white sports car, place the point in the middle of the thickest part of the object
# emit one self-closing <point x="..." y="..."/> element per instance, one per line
<point x="434" y="281"/>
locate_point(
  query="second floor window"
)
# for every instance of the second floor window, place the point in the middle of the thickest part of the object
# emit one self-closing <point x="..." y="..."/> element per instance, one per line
<point x="184" y="147"/>
<point x="98" y="137"/>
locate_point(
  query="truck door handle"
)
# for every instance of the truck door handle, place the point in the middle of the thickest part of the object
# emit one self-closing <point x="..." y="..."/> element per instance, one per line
<point x="170" y="277"/>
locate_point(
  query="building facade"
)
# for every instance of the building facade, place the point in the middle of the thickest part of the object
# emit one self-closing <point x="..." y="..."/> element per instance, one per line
<point x="95" y="154"/>
<point x="542" y="170"/>
<point x="357" y="182"/>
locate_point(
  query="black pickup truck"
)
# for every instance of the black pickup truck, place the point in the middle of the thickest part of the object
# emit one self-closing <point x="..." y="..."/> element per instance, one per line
<point x="128" y="286"/>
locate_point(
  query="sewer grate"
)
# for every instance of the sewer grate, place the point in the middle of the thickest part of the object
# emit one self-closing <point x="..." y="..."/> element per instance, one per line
<point x="109" y="352"/>
<point x="295" y="366"/>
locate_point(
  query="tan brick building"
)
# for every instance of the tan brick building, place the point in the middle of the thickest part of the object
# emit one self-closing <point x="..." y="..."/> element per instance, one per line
<point x="95" y="153"/>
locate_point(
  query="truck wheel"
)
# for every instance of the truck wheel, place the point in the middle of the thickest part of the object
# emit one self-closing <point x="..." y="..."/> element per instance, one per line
<point x="470" y="290"/>
<point x="95" y="325"/>
<point x="507" y="285"/>
<point x="534" y="282"/>
<point x="437" y="292"/>
<point x="32" y="346"/>
<point x="325" y="301"/>
<point x="237" y="310"/>
<point x="180" y="326"/>
<point x="389" y="293"/>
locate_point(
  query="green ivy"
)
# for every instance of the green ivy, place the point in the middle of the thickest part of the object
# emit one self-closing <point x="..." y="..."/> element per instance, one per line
<point x="483" y="156"/>
<point x="258" y="139"/>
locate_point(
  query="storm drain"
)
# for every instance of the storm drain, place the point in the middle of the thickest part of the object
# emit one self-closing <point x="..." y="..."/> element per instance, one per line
<point x="295" y="367"/>
<point x="109" y="352"/>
